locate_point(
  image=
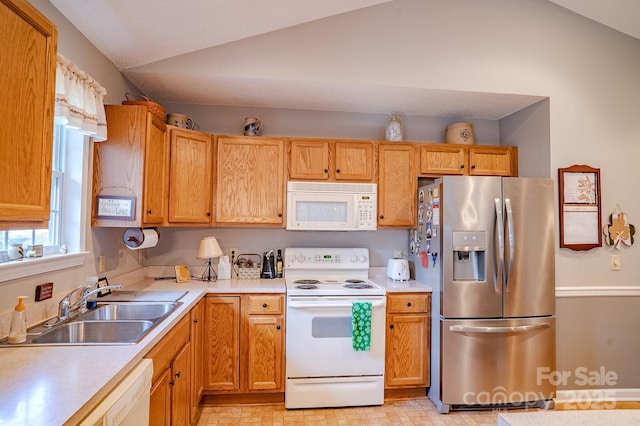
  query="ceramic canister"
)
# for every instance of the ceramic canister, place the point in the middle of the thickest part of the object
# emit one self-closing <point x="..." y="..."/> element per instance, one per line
<point x="460" y="133"/>
<point x="180" y="120"/>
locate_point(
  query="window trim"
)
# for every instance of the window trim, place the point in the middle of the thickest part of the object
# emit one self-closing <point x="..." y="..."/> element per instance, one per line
<point x="40" y="265"/>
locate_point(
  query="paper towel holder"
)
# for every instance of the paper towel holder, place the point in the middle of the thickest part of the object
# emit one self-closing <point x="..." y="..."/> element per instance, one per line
<point x="134" y="238"/>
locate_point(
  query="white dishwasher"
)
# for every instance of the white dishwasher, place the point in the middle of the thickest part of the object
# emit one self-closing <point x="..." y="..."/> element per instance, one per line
<point x="128" y="402"/>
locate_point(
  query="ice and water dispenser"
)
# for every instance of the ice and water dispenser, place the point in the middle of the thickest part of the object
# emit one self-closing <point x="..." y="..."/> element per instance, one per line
<point x="469" y="248"/>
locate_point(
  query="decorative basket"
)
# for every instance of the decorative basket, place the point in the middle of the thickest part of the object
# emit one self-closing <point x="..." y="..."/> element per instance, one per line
<point x="248" y="268"/>
<point x="153" y="107"/>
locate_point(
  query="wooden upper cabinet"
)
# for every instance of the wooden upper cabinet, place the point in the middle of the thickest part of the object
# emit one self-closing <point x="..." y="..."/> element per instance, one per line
<point x="27" y="87"/>
<point x="449" y="159"/>
<point x="250" y="181"/>
<point x="442" y="159"/>
<point x="190" y="177"/>
<point x="133" y="161"/>
<point x="313" y="159"/>
<point x="493" y="161"/>
<point x="397" y="185"/>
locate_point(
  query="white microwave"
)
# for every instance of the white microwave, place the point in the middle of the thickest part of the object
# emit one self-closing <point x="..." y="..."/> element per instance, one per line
<point x="331" y="206"/>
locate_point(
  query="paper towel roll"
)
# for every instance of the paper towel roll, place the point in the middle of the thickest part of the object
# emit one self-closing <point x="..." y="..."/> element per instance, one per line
<point x="138" y="238"/>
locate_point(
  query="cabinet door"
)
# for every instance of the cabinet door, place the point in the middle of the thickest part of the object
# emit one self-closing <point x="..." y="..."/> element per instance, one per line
<point x="493" y="161"/>
<point x="181" y="387"/>
<point x="190" y="177"/>
<point x="197" y="348"/>
<point x="265" y="340"/>
<point x="160" y="404"/>
<point x="397" y="182"/>
<point x="354" y="161"/>
<point x="309" y="160"/>
<point x="155" y="173"/>
<point x="250" y="181"/>
<point x="407" y="357"/>
<point x="441" y="159"/>
<point x="27" y="84"/>
<point x="222" y="343"/>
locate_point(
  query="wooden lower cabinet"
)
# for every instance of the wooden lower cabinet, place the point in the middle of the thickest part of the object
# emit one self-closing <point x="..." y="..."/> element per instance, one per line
<point x="171" y="386"/>
<point x="197" y="348"/>
<point x="244" y="344"/>
<point x="408" y="340"/>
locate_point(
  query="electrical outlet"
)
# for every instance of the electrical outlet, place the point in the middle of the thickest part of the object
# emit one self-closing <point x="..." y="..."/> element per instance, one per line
<point x="615" y="262"/>
<point x="233" y="254"/>
<point x="103" y="263"/>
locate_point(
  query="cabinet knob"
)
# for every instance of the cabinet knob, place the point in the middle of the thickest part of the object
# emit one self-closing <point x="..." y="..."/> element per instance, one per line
<point x="462" y="166"/>
<point x="381" y="216"/>
<point x="264" y="305"/>
<point x="408" y="303"/>
<point x="195" y="321"/>
<point x="473" y="166"/>
<point x="172" y="383"/>
<point x="337" y="170"/>
<point x="326" y="170"/>
<point x="208" y="213"/>
<point x="149" y="211"/>
<point x="391" y="326"/>
<point x="178" y="375"/>
<point x="279" y="214"/>
<point x="278" y="327"/>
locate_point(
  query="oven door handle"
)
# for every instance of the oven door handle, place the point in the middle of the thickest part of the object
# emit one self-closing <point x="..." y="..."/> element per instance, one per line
<point x="328" y="304"/>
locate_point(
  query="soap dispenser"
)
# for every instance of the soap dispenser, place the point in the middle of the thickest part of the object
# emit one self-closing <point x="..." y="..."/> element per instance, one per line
<point x="18" y="330"/>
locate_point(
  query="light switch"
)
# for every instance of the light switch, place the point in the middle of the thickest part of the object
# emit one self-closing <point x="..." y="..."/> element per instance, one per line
<point x="615" y="262"/>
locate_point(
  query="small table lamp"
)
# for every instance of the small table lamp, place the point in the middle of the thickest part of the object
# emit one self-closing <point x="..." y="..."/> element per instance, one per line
<point x="209" y="248"/>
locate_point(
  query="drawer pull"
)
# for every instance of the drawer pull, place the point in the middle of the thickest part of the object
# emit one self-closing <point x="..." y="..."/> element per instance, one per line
<point x="409" y="304"/>
<point x="278" y="327"/>
<point x="264" y="305"/>
<point x="391" y="326"/>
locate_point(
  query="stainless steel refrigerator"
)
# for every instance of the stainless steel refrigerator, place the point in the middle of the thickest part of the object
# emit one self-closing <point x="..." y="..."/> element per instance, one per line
<point x="486" y="245"/>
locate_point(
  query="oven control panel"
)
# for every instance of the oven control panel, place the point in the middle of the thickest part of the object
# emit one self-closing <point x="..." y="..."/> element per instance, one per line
<point x="326" y="258"/>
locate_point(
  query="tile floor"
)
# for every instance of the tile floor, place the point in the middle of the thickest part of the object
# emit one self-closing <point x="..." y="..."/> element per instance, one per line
<point x="408" y="412"/>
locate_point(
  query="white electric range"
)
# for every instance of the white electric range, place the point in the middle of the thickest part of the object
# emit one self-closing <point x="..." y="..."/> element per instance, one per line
<point x="322" y="367"/>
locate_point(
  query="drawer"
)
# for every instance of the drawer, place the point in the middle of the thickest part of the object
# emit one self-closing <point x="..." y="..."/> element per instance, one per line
<point x="408" y="303"/>
<point x="264" y="304"/>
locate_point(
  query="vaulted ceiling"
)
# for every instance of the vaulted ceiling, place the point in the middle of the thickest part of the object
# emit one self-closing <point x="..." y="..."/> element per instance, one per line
<point x="138" y="35"/>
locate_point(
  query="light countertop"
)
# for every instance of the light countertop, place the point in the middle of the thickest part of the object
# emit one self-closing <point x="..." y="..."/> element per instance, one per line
<point x="59" y="385"/>
<point x="56" y="385"/>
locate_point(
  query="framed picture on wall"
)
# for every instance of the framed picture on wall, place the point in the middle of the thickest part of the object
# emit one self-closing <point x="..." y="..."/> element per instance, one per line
<point x="580" y="212"/>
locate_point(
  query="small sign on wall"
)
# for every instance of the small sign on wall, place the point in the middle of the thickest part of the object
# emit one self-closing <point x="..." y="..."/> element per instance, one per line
<point x="115" y="207"/>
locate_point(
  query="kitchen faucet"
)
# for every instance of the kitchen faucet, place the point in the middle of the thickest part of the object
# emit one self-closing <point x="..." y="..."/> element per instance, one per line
<point x="65" y="306"/>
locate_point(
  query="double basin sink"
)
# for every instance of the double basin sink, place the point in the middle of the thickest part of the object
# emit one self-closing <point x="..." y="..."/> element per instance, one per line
<point x="115" y="323"/>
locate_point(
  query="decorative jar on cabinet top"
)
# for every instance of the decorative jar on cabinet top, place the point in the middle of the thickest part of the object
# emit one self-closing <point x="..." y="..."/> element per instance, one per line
<point x="394" y="129"/>
<point x="460" y="133"/>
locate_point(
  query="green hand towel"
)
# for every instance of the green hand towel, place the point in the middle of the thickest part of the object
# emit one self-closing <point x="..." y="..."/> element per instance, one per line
<point x="361" y="326"/>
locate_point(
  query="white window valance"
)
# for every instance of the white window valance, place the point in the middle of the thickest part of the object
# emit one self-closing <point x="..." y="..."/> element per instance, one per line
<point x="79" y="100"/>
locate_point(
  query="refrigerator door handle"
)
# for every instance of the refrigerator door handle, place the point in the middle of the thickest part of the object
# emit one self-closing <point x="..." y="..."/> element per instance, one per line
<point x="511" y="237"/>
<point x="496" y="330"/>
<point x="497" y="283"/>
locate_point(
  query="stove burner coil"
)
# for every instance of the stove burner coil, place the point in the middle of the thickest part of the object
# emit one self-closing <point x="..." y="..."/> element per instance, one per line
<point x="358" y="286"/>
<point x="306" y="282"/>
<point x="306" y="286"/>
<point x="354" y="281"/>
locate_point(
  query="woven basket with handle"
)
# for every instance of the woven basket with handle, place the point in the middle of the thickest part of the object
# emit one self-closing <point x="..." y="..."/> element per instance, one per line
<point x="153" y="107"/>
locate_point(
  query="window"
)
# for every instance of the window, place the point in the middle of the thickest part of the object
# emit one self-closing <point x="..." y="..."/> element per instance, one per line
<point x="69" y="155"/>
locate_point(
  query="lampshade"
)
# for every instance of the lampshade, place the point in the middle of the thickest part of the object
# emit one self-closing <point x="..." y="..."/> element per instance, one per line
<point x="209" y="248"/>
